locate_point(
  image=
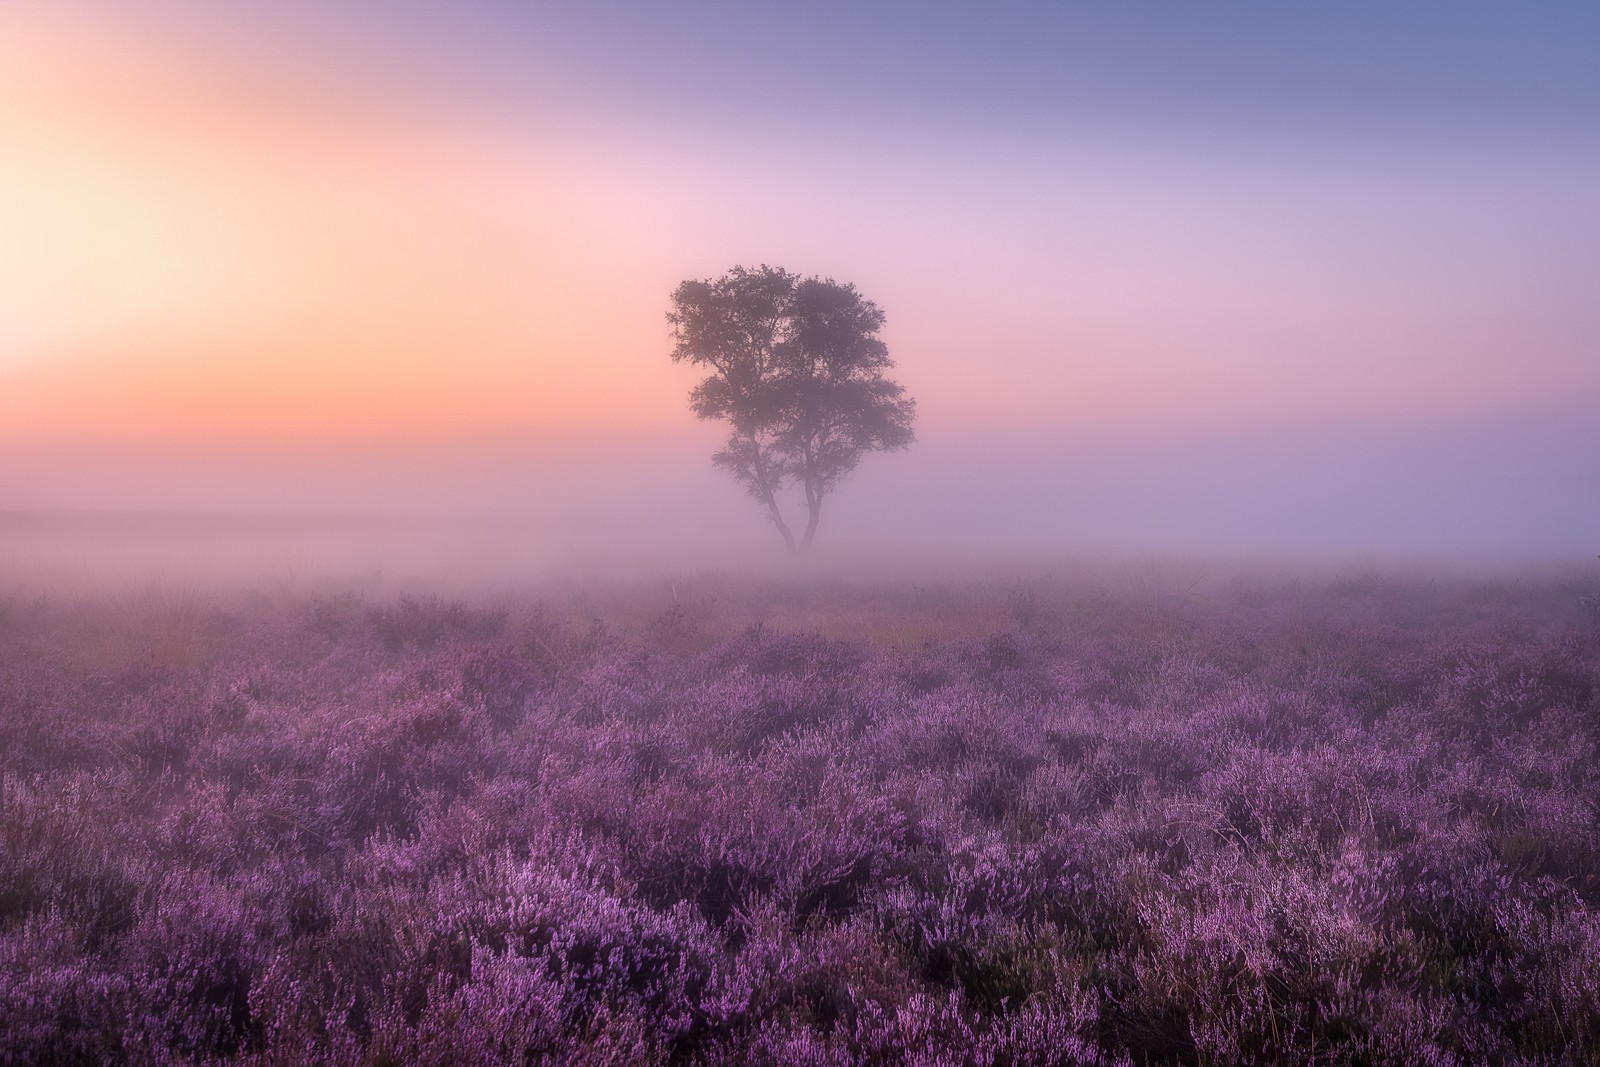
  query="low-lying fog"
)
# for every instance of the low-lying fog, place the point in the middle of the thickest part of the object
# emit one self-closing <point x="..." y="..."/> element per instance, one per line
<point x="1502" y="497"/>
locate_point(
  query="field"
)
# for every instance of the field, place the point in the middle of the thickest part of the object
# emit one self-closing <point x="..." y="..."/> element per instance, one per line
<point x="743" y="820"/>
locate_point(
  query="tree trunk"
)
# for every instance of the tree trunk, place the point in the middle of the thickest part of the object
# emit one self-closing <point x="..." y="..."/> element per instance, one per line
<point x="783" y="528"/>
<point x="811" y="525"/>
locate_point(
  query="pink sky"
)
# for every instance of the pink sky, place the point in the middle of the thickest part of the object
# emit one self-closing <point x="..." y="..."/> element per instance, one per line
<point x="217" y="244"/>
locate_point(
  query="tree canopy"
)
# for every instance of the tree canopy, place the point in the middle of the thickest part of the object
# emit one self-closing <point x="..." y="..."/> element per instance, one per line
<point x="797" y="371"/>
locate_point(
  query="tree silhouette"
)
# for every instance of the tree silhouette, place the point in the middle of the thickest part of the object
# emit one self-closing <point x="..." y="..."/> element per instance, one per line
<point x="797" y="372"/>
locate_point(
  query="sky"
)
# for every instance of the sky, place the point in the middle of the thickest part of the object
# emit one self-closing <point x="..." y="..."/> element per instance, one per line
<point x="1239" y="276"/>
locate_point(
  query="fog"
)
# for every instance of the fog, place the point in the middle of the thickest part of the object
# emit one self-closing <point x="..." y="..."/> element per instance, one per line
<point x="1498" y="496"/>
<point x="314" y="289"/>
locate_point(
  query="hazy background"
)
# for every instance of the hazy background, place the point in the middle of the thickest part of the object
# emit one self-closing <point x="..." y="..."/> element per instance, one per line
<point x="1204" y="278"/>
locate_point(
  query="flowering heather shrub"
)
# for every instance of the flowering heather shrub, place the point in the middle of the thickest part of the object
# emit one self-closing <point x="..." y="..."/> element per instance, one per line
<point x="1349" y="824"/>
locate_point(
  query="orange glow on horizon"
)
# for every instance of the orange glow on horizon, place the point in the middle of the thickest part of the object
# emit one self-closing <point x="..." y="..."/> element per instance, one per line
<point x="198" y="254"/>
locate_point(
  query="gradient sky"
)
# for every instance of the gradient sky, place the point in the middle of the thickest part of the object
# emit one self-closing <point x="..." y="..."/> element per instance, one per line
<point x="1178" y="275"/>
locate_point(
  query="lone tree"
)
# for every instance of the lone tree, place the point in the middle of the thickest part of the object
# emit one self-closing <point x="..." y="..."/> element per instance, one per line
<point x="797" y="372"/>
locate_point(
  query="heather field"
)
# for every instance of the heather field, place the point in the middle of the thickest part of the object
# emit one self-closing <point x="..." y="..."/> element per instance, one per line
<point x="740" y="820"/>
